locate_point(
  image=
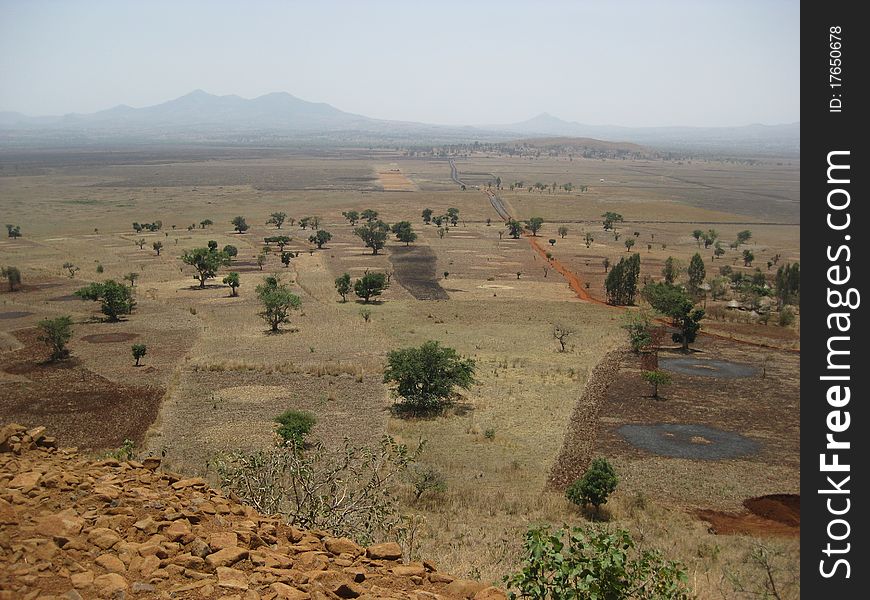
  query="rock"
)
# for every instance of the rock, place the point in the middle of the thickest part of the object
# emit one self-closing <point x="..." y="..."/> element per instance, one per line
<point x="148" y="525"/>
<point x="25" y="481"/>
<point x="286" y="592"/>
<point x="226" y="557"/>
<point x="179" y="531"/>
<point x="339" y="546"/>
<point x="440" y="578"/>
<point x="408" y="570"/>
<point x="111" y="563"/>
<point x="490" y="593"/>
<point x="139" y="586"/>
<point x="223" y="539"/>
<point x="82" y="580"/>
<point x="151" y="463"/>
<point x="463" y="588"/>
<point x="232" y="578"/>
<point x="60" y="525"/>
<point x="357" y="574"/>
<point x="110" y="584"/>
<point x="103" y="537"/>
<point x="186" y="483"/>
<point x="311" y="561"/>
<point x="385" y="551"/>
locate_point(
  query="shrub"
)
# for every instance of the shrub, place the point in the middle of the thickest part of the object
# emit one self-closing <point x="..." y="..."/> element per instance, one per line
<point x="655" y="379"/>
<point x="638" y="326"/>
<point x="425" y="478"/>
<point x="115" y="299"/>
<point x="294" y="425"/>
<point x="139" y="350"/>
<point x="786" y="316"/>
<point x="595" y="563"/>
<point x="425" y="376"/>
<point x="595" y="486"/>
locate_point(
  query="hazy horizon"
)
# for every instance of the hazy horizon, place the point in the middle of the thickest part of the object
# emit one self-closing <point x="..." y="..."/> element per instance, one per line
<point x="626" y="63"/>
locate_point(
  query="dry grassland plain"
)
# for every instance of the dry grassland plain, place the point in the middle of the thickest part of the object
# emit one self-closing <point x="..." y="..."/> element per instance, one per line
<point x="222" y="378"/>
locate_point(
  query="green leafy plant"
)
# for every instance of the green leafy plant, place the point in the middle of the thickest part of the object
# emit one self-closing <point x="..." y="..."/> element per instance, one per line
<point x="294" y="425"/>
<point x="595" y="486"/>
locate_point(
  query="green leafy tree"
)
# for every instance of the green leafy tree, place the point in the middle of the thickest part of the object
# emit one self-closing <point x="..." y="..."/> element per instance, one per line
<point x="115" y="299"/>
<point x="294" y="425"/>
<point x="710" y="237"/>
<point x="698" y="234"/>
<point x="788" y="284"/>
<point x="562" y="231"/>
<point x="56" y="334"/>
<point x="320" y="238"/>
<point x="277" y="219"/>
<point x="205" y="223"/>
<point x="697" y="272"/>
<point x="158" y="246"/>
<point x="404" y="232"/>
<point x="232" y="280"/>
<point x="655" y="379"/>
<point x="595" y="486"/>
<point x="212" y="245"/>
<point x="12" y="276"/>
<point x="370" y="285"/>
<point x="621" y="282"/>
<point x="352" y="216"/>
<point x="131" y="277"/>
<point x="534" y="225"/>
<point x="748" y="257"/>
<point x="426" y="376"/>
<point x="13" y="231"/>
<point x="277" y="302"/>
<point x="718" y="250"/>
<point x="610" y="218"/>
<point x="453" y="215"/>
<point x="205" y="261"/>
<point x="343" y="286"/>
<point x="638" y="326"/>
<point x="629" y="243"/>
<point x="231" y="252"/>
<point x="594" y="563"/>
<point x="373" y="234"/>
<point x="427" y="215"/>
<point x="674" y="302"/>
<point x="369" y="215"/>
<point x="140" y="242"/>
<point x="240" y="225"/>
<point x="515" y="229"/>
<point x="138" y="350"/>
<point x="671" y="270"/>
<point x="744" y="236"/>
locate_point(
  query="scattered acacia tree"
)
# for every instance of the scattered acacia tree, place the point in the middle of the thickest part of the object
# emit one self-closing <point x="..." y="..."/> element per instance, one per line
<point x="655" y="379"/>
<point x="427" y="215"/>
<point x="698" y="234"/>
<point x="294" y="425"/>
<point x="696" y="272"/>
<point x="232" y="280"/>
<point x="710" y="237"/>
<point x="674" y="302"/>
<point x="594" y="562"/>
<point x="231" y="252"/>
<point x="13" y="231"/>
<point x="748" y="257"/>
<point x="534" y="225"/>
<point x="606" y="264"/>
<point x="426" y="478"/>
<point x="595" y="486"/>
<point x="373" y="234"/>
<point x="212" y="246"/>
<point x="240" y="225"/>
<point x="621" y="282"/>
<point x="562" y="231"/>
<point x="138" y="350"/>
<point x="140" y="242"/>
<point x="638" y="326"/>
<point x="629" y="243"/>
<point x="561" y="334"/>
<point x="718" y="250"/>
<point x="515" y="228"/>
<point x="351" y="491"/>
<point x="343" y="286"/>
<point x="351" y="215"/>
<point x="610" y="218"/>
<point x="205" y="261"/>
<point x="205" y="223"/>
<point x="12" y="275"/>
<point x="370" y="285"/>
<point x="158" y="246"/>
<point x="552" y="241"/>
<point x="453" y="216"/>
<point x="404" y="232"/>
<point x="132" y="276"/>
<point x="671" y="270"/>
<point x="56" y="334"/>
<point x="320" y="237"/>
<point x="787" y="283"/>
<point x="441" y="232"/>
<point x="744" y="236"/>
<point x="369" y="215"/>
<point x="286" y="257"/>
<point x="261" y="259"/>
<point x="277" y="302"/>
<point x="426" y="376"/>
<point x="115" y="299"/>
<point x="71" y="268"/>
<point x="277" y="219"/>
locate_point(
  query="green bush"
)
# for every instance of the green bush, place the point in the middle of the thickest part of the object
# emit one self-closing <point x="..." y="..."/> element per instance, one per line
<point x="595" y="486"/>
<point x="786" y="316"/>
<point x="594" y="563"/>
<point x="295" y="425"/>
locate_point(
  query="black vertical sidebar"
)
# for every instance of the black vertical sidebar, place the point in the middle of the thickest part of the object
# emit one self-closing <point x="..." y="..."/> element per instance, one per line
<point x="835" y="422"/>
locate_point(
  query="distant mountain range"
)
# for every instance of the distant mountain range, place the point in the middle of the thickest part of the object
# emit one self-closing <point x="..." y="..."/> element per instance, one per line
<point x="281" y="118"/>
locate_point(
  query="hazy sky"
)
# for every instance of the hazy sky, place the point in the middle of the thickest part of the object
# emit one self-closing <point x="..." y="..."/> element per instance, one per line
<point x="636" y="63"/>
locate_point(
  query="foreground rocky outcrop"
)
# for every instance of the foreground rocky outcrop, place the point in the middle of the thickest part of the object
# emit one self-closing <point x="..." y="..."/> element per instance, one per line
<point x="72" y="528"/>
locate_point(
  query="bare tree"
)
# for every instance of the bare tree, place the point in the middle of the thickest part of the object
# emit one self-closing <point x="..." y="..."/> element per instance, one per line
<point x="561" y="333"/>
